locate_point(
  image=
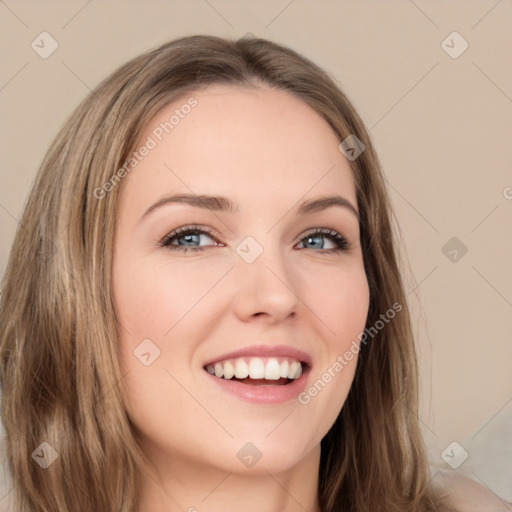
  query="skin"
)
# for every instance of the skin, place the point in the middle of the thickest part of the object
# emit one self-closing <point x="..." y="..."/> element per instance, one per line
<point x="268" y="151"/>
<point x="465" y="494"/>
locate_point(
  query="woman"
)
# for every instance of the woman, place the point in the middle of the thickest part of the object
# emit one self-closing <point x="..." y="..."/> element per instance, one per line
<point x="203" y="308"/>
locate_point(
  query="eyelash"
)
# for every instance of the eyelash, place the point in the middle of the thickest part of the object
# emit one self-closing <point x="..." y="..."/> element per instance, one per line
<point x="341" y="242"/>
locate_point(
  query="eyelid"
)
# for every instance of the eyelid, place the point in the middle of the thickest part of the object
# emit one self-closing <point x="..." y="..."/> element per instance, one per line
<point x="189" y="228"/>
<point x="320" y="230"/>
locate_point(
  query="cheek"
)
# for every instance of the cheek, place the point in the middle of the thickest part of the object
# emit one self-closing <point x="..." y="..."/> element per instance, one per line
<point x="152" y="299"/>
<point x="154" y="306"/>
<point x="341" y="304"/>
<point x="165" y="311"/>
<point x="339" y="297"/>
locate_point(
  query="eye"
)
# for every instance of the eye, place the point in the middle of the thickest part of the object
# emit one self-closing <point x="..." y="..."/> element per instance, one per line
<point x="190" y="235"/>
<point x="314" y="237"/>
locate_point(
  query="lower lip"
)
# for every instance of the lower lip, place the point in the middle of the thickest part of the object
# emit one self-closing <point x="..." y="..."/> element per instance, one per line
<point x="263" y="394"/>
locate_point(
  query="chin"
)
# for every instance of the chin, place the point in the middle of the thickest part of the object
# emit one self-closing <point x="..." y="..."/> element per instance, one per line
<point x="260" y="457"/>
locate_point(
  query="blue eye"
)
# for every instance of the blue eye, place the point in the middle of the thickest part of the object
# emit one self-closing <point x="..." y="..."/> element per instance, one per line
<point x="319" y="234"/>
<point x="193" y="235"/>
<point x="190" y="235"/>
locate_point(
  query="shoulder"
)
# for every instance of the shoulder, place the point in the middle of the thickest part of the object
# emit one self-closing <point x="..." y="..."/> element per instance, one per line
<point x="463" y="494"/>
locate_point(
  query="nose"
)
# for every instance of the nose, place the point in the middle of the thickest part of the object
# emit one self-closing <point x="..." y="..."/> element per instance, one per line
<point x="267" y="287"/>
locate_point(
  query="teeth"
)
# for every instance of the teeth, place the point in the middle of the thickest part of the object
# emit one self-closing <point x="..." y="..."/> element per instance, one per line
<point x="272" y="368"/>
<point x="256" y="368"/>
<point x="241" y="369"/>
<point x="295" y="370"/>
<point x="283" y="369"/>
<point x="229" y="370"/>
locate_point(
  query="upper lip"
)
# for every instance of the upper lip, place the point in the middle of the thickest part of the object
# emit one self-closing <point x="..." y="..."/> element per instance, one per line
<point x="265" y="351"/>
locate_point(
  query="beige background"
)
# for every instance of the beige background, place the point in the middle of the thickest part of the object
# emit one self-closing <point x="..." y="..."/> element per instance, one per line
<point x="442" y="127"/>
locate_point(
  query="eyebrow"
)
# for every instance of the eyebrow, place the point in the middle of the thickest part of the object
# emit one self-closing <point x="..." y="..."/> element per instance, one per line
<point x="223" y="204"/>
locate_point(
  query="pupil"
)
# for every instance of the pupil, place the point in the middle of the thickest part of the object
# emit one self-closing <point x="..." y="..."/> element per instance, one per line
<point x="188" y="238"/>
<point x="310" y="240"/>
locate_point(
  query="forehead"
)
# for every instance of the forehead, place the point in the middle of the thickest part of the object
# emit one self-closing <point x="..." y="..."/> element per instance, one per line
<point x="246" y="141"/>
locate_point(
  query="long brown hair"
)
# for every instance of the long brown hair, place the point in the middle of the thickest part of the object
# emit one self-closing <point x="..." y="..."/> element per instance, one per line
<point x="59" y="369"/>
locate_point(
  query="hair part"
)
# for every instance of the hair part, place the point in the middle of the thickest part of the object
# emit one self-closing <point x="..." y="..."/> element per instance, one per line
<point x="59" y="366"/>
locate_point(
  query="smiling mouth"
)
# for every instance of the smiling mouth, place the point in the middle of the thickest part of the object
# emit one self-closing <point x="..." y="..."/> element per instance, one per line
<point x="258" y="371"/>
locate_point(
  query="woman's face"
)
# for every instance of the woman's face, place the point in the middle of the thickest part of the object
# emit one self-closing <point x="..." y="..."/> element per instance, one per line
<point x="253" y="287"/>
